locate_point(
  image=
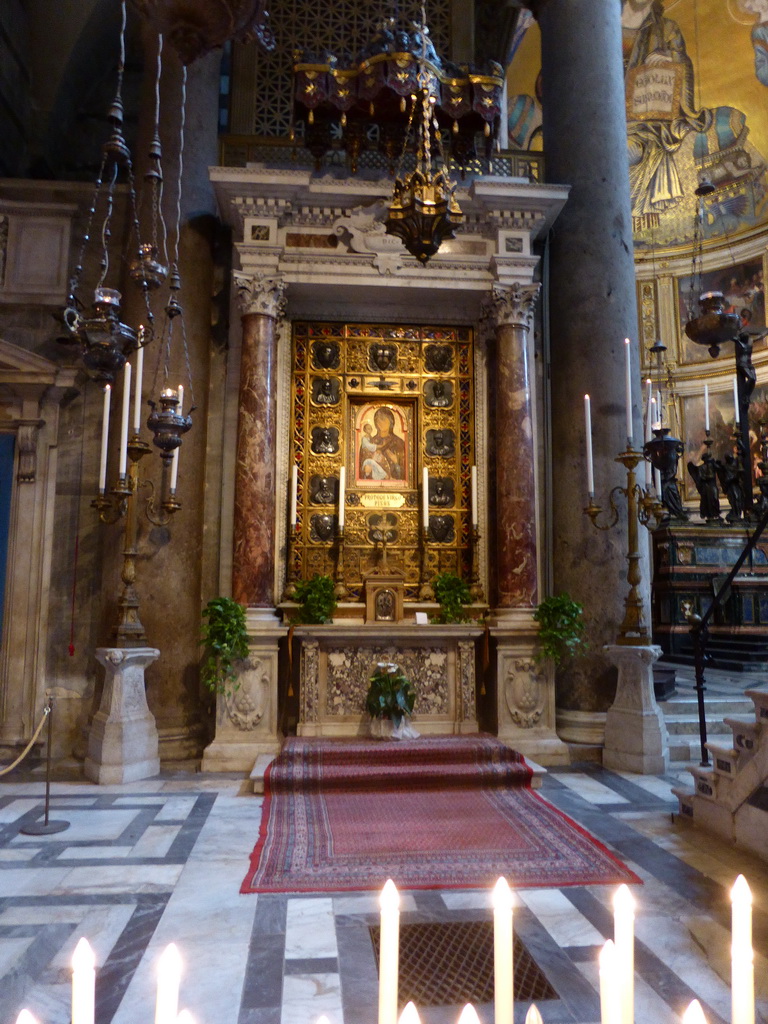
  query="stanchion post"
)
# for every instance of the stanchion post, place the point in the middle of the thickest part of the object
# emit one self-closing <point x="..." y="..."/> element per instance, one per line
<point x="46" y="827"/>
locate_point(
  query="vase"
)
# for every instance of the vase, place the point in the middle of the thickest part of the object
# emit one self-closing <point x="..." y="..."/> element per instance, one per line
<point x="382" y="728"/>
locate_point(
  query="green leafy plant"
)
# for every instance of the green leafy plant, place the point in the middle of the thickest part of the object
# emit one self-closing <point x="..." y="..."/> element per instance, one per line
<point x="391" y="694"/>
<point x="561" y="628"/>
<point x="452" y="594"/>
<point x="226" y="641"/>
<point x="317" y="601"/>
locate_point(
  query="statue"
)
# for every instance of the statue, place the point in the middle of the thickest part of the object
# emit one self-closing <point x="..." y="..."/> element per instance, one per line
<point x="670" y="495"/>
<point x="730" y="476"/>
<point x="705" y="478"/>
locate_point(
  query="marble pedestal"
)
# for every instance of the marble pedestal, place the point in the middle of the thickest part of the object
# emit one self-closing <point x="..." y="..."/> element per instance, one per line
<point x="635" y="733"/>
<point x="123" y="742"/>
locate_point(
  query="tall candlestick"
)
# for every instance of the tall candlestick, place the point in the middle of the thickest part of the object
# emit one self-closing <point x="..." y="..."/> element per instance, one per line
<point x="104" y="439"/>
<point x="609" y="988"/>
<point x="168" y="979"/>
<point x="590" y="464"/>
<point x="139" y="380"/>
<point x="83" y="984"/>
<point x="628" y="383"/>
<point x="742" y="955"/>
<point x="175" y="468"/>
<point x="473" y="494"/>
<point x="124" y="421"/>
<point x="180" y="406"/>
<point x="342" y="495"/>
<point x="706" y="407"/>
<point x="503" y="965"/>
<point x="624" y="941"/>
<point x="425" y="498"/>
<point x="294" y="493"/>
<point x="389" y="946"/>
<point x="736" y="399"/>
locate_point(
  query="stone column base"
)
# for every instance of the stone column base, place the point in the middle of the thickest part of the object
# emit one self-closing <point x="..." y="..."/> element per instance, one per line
<point x="635" y="733"/>
<point x="122" y="744"/>
<point x="525" y="691"/>
<point x="246" y="716"/>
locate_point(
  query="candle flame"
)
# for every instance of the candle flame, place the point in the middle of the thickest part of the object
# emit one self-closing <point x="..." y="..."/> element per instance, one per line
<point x="694" y="1014"/>
<point x="469" y="1015"/>
<point x="390" y="897"/>
<point x="83" y="958"/>
<point x="322" y="1019"/>
<point x="502" y="895"/>
<point x="741" y="893"/>
<point x="624" y="901"/>
<point x="185" y="1017"/>
<point x="607" y="957"/>
<point x="170" y="960"/>
<point x="25" y="1017"/>
<point x="533" y="1016"/>
<point x="410" y="1014"/>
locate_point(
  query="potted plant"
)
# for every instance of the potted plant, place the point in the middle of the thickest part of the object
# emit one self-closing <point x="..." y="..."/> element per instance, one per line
<point x="389" y="702"/>
<point x="561" y="628"/>
<point x="226" y="641"/>
<point x="452" y="594"/>
<point x="316" y="599"/>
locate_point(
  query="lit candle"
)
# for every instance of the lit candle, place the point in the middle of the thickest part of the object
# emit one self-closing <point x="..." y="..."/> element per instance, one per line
<point x="410" y="1014"/>
<point x="294" y="493"/>
<point x="590" y="464"/>
<point x="180" y="406"/>
<point x="104" y="440"/>
<point x="175" y="468"/>
<point x="609" y="989"/>
<point x="648" y="404"/>
<point x="742" y="955"/>
<point x="83" y="984"/>
<point x="425" y="499"/>
<point x="624" y="941"/>
<point x="694" y="1013"/>
<point x="139" y="379"/>
<point x="124" y="421"/>
<point x="503" y="965"/>
<point x="628" y="383"/>
<point x="342" y="494"/>
<point x="473" y="493"/>
<point x="533" y="1016"/>
<point x="389" y="943"/>
<point x="469" y="1015"/>
<point x="168" y="979"/>
<point x="736" y="399"/>
<point x="25" y="1017"/>
<point x="185" y="1017"/>
<point x="706" y="407"/>
<point x="657" y="481"/>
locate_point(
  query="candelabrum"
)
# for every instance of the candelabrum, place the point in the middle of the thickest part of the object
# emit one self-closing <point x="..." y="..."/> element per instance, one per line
<point x="340" y="589"/>
<point x="426" y="591"/>
<point x="121" y="503"/>
<point x="475" y="586"/>
<point x="642" y="507"/>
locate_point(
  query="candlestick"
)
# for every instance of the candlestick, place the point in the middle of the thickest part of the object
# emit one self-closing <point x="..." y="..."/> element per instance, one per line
<point x="83" y="984"/>
<point x="124" y="421"/>
<point x="425" y="499"/>
<point x="294" y="493"/>
<point x="694" y="1013"/>
<point x="168" y="979"/>
<point x="590" y="464"/>
<point x="628" y="383"/>
<point x="624" y="941"/>
<point x="139" y="379"/>
<point x="104" y="440"/>
<point x="742" y="954"/>
<point x="389" y="945"/>
<point x="342" y="495"/>
<point x="473" y="494"/>
<point x="609" y="989"/>
<point x="706" y="407"/>
<point x="736" y="399"/>
<point x="503" y="963"/>
<point x="175" y="468"/>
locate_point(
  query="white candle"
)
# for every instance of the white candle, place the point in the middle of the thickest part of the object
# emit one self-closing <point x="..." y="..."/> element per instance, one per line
<point x="624" y="941"/>
<point x="659" y="409"/>
<point x="648" y="404"/>
<point x="590" y="464"/>
<point x="694" y="1014"/>
<point x="104" y="439"/>
<point x="473" y="493"/>
<point x="389" y="946"/>
<point x="502" y="953"/>
<point x="83" y="984"/>
<point x="124" y="421"/>
<point x="742" y="955"/>
<point x="175" y="468"/>
<point x="294" y="501"/>
<point x="168" y="978"/>
<point x="609" y="989"/>
<point x="425" y="498"/>
<point x="736" y="399"/>
<point x="180" y="406"/>
<point x="706" y="407"/>
<point x="628" y="383"/>
<point x="342" y="495"/>
<point x="139" y="379"/>
<point x="657" y="481"/>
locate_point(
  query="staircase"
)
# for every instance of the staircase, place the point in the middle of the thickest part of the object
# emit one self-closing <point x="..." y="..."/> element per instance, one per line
<point x="730" y="797"/>
<point x="681" y="715"/>
<point x="727" y="652"/>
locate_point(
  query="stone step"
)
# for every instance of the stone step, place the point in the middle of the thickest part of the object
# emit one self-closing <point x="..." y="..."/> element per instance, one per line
<point x="687" y="747"/>
<point x="682" y="725"/>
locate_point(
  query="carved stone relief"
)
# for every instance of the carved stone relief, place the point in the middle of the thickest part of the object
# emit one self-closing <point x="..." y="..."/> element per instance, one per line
<point x="261" y="293"/>
<point x="466" y="673"/>
<point x="524" y="691"/>
<point x="349" y="671"/>
<point x="310" y="665"/>
<point x="26" y="440"/>
<point x="247" y="704"/>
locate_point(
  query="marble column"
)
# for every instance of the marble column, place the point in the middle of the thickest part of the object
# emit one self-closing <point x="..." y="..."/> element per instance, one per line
<point x="262" y="304"/>
<point x="511" y="311"/>
<point x="592" y="305"/>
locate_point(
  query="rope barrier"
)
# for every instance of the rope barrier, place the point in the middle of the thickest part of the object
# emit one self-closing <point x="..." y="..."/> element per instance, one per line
<point x="9" y="768"/>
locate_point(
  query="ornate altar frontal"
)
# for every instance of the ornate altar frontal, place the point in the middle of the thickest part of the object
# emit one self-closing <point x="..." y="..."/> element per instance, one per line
<point x="383" y="403"/>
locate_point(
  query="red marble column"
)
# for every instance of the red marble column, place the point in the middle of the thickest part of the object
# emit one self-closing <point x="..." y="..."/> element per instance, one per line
<point x="516" y="567"/>
<point x="262" y="303"/>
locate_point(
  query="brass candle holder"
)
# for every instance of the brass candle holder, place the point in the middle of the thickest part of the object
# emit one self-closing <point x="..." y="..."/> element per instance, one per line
<point x="475" y="586"/>
<point x="340" y="589"/>
<point x="294" y="574"/>
<point x="426" y="591"/>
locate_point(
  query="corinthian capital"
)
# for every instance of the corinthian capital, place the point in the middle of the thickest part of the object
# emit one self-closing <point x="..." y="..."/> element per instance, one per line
<point x="261" y="293"/>
<point x="513" y="306"/>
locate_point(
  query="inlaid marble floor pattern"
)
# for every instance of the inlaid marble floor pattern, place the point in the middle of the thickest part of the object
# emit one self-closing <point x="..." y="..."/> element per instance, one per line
<point x="145" y="864"/>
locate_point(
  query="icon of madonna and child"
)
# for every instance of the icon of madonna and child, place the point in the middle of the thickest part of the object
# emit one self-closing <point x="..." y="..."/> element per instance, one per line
<point x="382" y="434"/>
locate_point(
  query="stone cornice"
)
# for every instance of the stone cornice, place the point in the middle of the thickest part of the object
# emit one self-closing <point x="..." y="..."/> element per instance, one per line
<point x="261" y="293"/>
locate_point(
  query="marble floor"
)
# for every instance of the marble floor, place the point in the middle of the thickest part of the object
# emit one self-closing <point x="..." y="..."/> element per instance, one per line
<point x="162" y="860"/>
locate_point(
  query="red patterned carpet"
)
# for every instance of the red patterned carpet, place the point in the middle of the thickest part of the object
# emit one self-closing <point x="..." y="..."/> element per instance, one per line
<point x="433" y="813"/>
